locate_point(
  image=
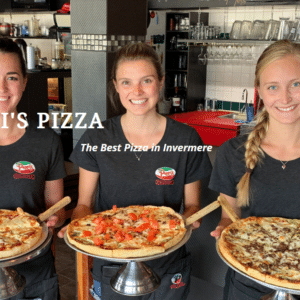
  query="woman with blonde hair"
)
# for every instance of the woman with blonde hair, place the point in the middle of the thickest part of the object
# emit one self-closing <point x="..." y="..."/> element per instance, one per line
<point x="259" y="173"/>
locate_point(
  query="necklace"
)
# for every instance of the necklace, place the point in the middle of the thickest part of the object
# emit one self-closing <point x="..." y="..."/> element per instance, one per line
<point x="139" y="157"/>
<point x="283" y="164"/>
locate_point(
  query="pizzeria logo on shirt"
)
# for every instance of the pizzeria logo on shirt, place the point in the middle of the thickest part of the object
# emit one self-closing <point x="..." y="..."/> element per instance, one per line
<point x="24" y="169"/>
<point x="176" y="280"/>
<point x="165" y="176"/>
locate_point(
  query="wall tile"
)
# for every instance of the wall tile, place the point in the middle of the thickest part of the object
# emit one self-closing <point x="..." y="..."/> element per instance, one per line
<point x="277" y="15"/>
<point x="228" y="82"/>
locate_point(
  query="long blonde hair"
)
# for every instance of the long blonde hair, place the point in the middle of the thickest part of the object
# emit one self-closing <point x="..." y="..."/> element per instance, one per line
<point x="253" y="153"/>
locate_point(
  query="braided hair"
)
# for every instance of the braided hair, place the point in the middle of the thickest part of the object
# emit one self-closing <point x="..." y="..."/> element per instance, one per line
<point x="254" y="153"/>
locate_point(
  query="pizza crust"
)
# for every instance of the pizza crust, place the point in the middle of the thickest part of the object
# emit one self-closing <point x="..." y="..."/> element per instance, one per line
<point x="19" y="232"/>
<point x="139" y="246"/>
<point x="266" y="249"/>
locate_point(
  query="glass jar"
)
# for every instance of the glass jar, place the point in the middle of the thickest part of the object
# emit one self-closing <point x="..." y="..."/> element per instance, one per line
<point x="54" y="64"/>
<point x="59" y="50"/>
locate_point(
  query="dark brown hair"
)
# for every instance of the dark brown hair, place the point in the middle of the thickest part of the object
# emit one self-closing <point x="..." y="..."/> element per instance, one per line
<point x="9" y="46"/>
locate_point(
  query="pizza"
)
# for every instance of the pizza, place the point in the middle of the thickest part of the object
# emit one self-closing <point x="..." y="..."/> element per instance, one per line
<point x="124" y="232"/>
<point x="267" y="249"/>
<point x="19" y="232"/>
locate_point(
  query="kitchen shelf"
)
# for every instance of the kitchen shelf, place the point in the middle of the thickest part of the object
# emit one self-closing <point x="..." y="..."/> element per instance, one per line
<point x="176" y="70"/>
<point x="33" y="37"/>
<point x="256" y="42"/>
<point x="176" y="51"/>
<point x="177" y="31"/>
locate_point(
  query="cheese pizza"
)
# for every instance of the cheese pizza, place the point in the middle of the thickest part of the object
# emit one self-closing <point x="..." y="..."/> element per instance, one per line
<point x="132" y="231"/>
<point x="267" y="249"/>
<point x="19" y="232"/>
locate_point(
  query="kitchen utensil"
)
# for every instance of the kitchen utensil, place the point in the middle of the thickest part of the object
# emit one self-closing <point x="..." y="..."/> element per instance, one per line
<point x="135" y="278"/>
<point x="11" y="283"/>
<point x="202" y="212"/>
<point x="30" y="50"/>
<point x="221" y="201"/>
<point x="227" y="207"/>
<point x="53" y="209"/>
<point x="235" y="30"/>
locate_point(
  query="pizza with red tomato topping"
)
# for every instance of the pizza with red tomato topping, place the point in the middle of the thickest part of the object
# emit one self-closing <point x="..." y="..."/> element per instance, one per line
<point x="124" y="232"/>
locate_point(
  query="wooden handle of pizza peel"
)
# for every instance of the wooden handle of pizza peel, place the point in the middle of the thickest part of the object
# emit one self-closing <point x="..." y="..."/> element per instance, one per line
<point x="227" y="207"/>
<point x="202" y="212"/>
<point x="53" y="209"/>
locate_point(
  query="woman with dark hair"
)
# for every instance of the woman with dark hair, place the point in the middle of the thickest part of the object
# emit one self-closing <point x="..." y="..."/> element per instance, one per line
<point x="259" y="173"/>
<point x="128" y="177"/>
<point x="41" y="149"/>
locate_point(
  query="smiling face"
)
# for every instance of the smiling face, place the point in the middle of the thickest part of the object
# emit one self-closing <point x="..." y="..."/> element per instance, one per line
<point x="280" y="89"/>
<point x="12" y="82"/>
<point x="138" y="86"/>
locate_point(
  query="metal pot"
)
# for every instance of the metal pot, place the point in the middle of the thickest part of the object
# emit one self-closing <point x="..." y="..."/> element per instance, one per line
<point x="4" y="29"/>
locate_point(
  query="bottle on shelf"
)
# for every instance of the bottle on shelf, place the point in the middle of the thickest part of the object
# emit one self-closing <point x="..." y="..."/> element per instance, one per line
<point x="172" y="25"/>
<point x="183" y="104"/>
<point x="176" y="102"/>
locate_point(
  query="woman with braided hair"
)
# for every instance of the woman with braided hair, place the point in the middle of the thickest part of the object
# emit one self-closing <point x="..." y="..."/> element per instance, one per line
<point x="259" y="173"/>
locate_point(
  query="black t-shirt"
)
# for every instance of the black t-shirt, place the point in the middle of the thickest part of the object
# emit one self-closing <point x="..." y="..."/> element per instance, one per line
<point x="25" y="166"/>
<point x="273" y="191"/>
<point x="126" y="181"/>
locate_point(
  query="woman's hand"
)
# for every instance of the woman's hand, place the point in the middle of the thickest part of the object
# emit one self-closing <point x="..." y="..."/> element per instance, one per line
<point x="190" y="211"/>
<point x="52" y="221"/>
<point x="192" y="193"/>
<point x="222" y="225"/>
<point x="61" y="233"/>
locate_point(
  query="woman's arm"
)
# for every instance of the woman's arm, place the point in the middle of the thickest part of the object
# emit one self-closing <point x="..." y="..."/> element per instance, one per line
<point x="192" y="192"/>
<point x="88" y="183"/>
<point x="54" y="191"/>
<point x="225" y="220"/>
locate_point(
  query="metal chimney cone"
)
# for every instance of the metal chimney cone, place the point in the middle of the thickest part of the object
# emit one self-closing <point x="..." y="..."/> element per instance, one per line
<point x="135" y="279"/>
<point x="11" y="283"/>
